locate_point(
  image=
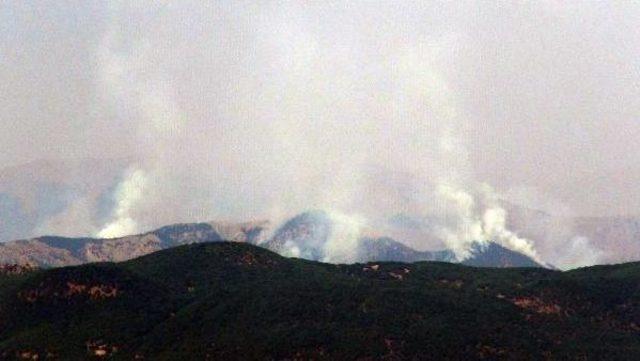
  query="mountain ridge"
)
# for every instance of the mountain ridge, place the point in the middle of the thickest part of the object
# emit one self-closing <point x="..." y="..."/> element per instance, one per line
<point x="308" y="235"/>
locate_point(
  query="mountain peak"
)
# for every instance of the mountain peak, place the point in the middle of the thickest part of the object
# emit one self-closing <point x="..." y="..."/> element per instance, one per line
<point x="492" y="254"/>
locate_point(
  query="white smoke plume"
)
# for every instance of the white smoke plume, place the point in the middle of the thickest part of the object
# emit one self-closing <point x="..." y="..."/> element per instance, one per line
<point x="127" y="80"/>
<point x="346" y="231"/>
<point x="579" y="252"/>
<point x="248" y="110"/>
<point x="481" y="220"/>
<point x="302" y="128"/>
<point x="129" y="193"/>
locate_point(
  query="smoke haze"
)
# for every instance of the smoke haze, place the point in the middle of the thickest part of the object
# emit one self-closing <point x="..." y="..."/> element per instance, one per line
<point x="367" y="110"/>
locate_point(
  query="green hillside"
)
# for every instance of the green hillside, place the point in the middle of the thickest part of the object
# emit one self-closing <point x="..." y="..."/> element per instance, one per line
<point x="227" y="301"/>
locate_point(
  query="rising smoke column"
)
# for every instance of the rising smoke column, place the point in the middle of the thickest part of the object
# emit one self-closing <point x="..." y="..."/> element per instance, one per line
<point x="127" y="79"/>
<point x="477" y="216"/>
<point x="291" y="117"/>
<point x="479" y="219"/>
<point x="346" y="232"/>
<point x="129" y="193"/>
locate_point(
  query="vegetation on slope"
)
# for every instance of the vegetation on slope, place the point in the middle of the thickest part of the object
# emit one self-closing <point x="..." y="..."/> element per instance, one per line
<point x="237" y="301"/>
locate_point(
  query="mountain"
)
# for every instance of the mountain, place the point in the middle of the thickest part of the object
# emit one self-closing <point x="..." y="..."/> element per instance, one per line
<point x="236" y="301"/>
<point x="567" y="240"/>
<point x="482" y="254"/>
<point x="304" y="236"/>
<point x="601" y="240"/>
<point x="388" y="249"/>
<point x="491" y="254"/>
<point x="51" y="251"/>
<point x="309" y="235"/>
<point x="72" y="198"/>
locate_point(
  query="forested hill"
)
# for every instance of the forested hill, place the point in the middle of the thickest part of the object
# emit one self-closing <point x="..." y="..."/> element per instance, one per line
<point x="238" y="301"/>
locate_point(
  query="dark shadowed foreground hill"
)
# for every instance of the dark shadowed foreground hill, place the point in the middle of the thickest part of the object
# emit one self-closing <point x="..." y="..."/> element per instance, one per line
<point x="227" y="301"/>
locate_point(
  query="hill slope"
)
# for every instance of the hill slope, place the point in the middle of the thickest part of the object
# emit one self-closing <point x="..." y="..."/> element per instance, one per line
<point x="237" y="301"/>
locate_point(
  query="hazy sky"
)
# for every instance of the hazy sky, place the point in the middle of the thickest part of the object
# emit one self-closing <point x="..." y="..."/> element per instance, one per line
<point x="276" y="99"/>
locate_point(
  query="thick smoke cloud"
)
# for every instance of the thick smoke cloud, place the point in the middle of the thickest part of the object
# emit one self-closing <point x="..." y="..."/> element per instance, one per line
<point x="370" y="111"/>
<point x="298" y="135"/>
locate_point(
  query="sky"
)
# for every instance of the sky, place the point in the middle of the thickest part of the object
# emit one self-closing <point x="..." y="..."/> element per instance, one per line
<point x="548" y="92"/>
<point x="245" y="109"/>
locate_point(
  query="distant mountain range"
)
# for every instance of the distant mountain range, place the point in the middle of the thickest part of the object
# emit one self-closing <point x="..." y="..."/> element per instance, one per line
<point x="52" y="251"/>
<point x="75" y="197"/>
<point x="308" y="235"/>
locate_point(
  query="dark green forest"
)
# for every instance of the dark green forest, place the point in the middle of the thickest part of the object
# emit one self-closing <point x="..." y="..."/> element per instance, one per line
<point x="231" y="301"/>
